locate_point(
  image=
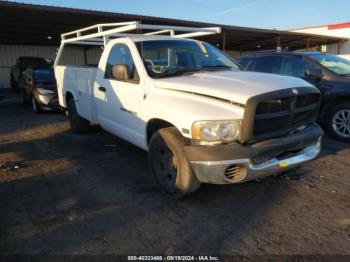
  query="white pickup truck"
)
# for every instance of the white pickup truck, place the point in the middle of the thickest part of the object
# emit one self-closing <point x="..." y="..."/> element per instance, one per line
<point x="200" y="117"/>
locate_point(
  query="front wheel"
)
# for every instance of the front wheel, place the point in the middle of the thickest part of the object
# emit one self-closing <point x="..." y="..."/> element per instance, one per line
<point x="78" y="124"/>
<point x="169" y="166"/>
<point x="338" y="122"/>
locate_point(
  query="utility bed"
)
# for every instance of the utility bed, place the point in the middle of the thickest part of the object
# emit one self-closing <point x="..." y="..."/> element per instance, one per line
<point x="80" y="80"/>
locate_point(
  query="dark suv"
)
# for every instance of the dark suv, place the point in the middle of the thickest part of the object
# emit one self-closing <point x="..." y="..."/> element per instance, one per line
<point x="329" y="73"/>
<point x="22" y="63"/>
<point x="38" y="87"/>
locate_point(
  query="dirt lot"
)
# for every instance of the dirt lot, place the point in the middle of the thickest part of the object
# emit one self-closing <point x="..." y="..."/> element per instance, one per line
<point x="92" y="194"/>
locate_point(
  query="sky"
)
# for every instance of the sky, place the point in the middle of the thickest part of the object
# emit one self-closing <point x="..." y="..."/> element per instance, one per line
<point x="287" y="14"/>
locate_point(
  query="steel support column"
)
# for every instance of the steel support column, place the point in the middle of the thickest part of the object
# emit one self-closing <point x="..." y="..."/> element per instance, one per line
<point x="223" y="40"/>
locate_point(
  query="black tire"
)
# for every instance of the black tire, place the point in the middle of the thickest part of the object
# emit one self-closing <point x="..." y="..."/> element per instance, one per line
<point x="36" y="107"/>
<point x="78" y="124"/>
<point x="333" y="121"/>
<point x="169" y="166"/>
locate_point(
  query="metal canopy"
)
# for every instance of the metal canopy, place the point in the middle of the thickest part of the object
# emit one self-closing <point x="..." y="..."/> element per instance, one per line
<point x="42" y="25"/>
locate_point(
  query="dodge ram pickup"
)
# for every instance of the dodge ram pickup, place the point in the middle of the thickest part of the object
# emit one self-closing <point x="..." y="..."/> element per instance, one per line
<point x="201" y="118"/>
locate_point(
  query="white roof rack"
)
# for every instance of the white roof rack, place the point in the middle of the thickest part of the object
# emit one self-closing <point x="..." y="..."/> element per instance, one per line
<point x="100" y="34"/>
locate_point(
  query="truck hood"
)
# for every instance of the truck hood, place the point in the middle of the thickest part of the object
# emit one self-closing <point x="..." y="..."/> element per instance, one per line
<point x="236" y="86"/>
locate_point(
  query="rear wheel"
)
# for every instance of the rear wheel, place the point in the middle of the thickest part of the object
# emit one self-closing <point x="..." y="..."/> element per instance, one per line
<point x="338" y="122"/>
<point x="169" y="166"/>
<point x="36" y="106"/>
<point x="78" y="124"/>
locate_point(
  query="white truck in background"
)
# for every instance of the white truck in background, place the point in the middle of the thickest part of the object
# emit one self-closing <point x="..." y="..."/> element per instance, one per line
<point x="200" y="117"/>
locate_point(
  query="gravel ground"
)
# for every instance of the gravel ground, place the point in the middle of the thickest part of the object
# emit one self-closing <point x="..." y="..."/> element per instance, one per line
<point x="92" y="194"/>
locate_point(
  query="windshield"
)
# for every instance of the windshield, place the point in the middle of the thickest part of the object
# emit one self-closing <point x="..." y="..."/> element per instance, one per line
<point x="165" y="58"/>
<point x="44" y="75"/>
<point x="33" y="62"/>
<point x="337" y="64"/>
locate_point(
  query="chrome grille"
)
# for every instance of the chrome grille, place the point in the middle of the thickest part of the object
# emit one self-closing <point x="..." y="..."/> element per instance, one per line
<point x="279" y="113"/>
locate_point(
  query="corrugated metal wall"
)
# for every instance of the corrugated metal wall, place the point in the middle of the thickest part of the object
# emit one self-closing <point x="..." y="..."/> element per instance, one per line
<point x="9" y="54"/>
<point x="93" y="55"/>
<point x="72" y="55"/>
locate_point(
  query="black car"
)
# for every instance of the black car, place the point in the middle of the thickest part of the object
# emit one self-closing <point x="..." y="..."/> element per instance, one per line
<point x="329" y="73"/>
<point x="38" y="87"/>
<point x="22" y="63"/>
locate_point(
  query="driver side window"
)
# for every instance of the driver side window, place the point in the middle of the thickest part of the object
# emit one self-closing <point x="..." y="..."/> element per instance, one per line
<point x="120" y="54"/>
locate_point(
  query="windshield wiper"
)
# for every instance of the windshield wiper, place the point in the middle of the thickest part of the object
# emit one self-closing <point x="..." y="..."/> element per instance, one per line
<point x="187" y="71"/>
<point x="218" y="67"/>
<point x="178" y="72"/>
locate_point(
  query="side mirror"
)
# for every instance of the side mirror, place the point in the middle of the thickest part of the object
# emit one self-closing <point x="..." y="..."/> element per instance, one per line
<point x="121" y="72"/>
<point x="317" y="73"/>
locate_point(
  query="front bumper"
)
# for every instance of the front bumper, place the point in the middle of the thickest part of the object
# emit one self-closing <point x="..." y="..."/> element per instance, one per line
<point x="49" y="101"/>
<point x="236" y="163"/>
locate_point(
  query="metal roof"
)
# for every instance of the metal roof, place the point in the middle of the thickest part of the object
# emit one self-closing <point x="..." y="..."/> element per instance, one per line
<point x="329" y="26"/>
<point x="42" y="25"/>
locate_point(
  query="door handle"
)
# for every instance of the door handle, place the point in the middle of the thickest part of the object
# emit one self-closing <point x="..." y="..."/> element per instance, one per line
<point x="102" y="89"/>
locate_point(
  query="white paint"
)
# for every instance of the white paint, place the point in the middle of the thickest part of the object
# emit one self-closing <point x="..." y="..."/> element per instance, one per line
<point x="125" y="109"/>
<point x="237" y="86"/>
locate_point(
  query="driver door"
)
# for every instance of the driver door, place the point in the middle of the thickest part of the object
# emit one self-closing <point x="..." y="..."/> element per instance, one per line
<point x="117" y="102"/>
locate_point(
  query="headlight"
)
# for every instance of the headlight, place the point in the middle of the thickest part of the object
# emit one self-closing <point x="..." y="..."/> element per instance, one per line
<point x="216" y="131"/>
<point x="43" y="91"/>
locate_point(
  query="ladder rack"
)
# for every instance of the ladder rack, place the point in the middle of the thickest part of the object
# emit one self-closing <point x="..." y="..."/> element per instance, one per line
<point x="100" y="34"/>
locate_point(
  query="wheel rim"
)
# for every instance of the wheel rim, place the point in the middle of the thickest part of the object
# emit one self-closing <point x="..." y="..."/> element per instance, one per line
<point x="341" y="123"/>
<point x="165" y="167"/>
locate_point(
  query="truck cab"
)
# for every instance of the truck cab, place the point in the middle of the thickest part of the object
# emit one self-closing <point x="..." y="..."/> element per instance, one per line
<point x="201" y="118"/>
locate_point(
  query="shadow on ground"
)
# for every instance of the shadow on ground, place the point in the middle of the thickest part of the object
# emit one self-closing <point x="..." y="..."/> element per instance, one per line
<point x="93" y="194"/>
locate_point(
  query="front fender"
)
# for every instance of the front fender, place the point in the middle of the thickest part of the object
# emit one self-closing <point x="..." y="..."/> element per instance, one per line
<point x="334" y="96"/>
<point x="183" y="109"/>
